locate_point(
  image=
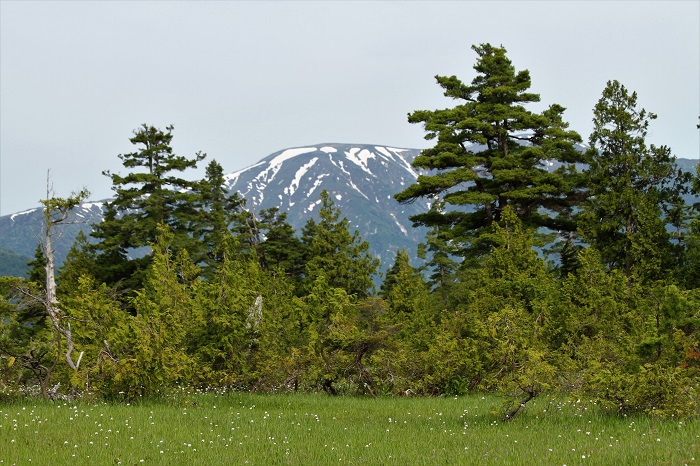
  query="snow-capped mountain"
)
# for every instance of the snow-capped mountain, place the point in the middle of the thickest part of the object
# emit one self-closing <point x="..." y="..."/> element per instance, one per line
<point x="361" y="179"/>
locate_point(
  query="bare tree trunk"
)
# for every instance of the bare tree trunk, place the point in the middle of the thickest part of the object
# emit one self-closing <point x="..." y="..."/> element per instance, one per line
<point x="56" y="212"/>
<point x="51" y="302"/>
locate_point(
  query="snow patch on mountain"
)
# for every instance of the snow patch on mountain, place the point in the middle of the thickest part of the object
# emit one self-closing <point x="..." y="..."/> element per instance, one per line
<point x="317" y="183"/>
<point x="25" y="212"/>
<point x="290" y="153"/>
<point x="90" y="205"/>
<point x="399" y="158"/>
<point x="360" y="157"/>
<point x="340" y="165"/>
<point x="401" y="227"/>
<point x="294" y="185"/>
<point x="387" y="155"/>
<point x="232" y="178"/>
<point x="312" y="206"/>
<point x="275" y="164"/>
<point x="354" y="186"/>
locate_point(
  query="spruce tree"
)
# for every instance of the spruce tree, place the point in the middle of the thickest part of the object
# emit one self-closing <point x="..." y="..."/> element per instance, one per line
<point x="340" y="256"/>
<point x="512" y="308"/>
<point x="633" y="188"/>
<point x="79" y="262"/>
<point x="282" y="247"/>
<point x="439" y="251"/>
<point x="215" y="213"/>
<point x="402" y="285"/>
<point x="224" y="342"/>
<point x="32" y="313"/>
<point x="37" y="267"/>
<point x="167" y="318"/>
<point x="689" y="271"/>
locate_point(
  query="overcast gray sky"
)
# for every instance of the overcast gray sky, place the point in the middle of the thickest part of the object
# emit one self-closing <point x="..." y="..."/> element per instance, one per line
<point x="240" y="80"/>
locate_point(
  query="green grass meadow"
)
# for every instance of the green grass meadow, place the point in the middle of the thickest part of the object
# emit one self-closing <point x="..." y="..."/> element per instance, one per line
<point x="210" y="429"/>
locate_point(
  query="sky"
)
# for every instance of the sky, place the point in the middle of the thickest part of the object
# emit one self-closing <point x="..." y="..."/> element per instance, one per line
<point x="240" y="80"/>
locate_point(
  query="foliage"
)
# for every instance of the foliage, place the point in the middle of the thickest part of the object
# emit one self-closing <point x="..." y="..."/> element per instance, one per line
<point x="635" y="190"/>
<point x="626" y="348"/>
<point x="103" y="333"/>
<point x="165" y="319"/>
<point x="333" y="252"/>
<point x="215" y="213"/>
<point x="490" y="153"/>
<point x="281" y="248"/>
<point x="151" y="193"/>
<point x="514" y="305"/>
<point x="689" y="272"/>
<point x="225" y="341"/>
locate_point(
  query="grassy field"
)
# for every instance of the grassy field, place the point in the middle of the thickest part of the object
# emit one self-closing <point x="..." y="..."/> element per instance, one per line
<point x="209" y="429"/>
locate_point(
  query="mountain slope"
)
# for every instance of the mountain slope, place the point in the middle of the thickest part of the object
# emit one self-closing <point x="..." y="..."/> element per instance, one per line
<point x="13" y="264"/>
<point x="22" y="231"/>
<point x="361" y="180"/>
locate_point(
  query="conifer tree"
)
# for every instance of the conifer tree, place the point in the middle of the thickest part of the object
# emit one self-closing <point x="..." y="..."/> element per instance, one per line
<point x="342" y="257"/>
<point x="32" y="313"/>
<point x="491" y="152"/>
<point x="282" y="247"/>
<point x="102" y="332"/>
<point x="247" y="226"/>
<point x="278" y="355"/>
<point x="79" y="262"/>
<point x="513" y="309"/>
<point x="402" y="285"/>
<point x="440" y="252"/>
<point x="28" y="352"/>
<point x="215" y="213"/>
<point x="633" y="188"/>
<point x="224" y="342"/>
<point x="689" y="270"/>
<point x="37" y="267"/>
<point x="149" y="194"/>
<point x="410" y="322"/>
<point x="167" y="318"/>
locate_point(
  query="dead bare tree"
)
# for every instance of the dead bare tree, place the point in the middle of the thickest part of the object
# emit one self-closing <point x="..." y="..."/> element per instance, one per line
<point x="57" y="212"/>
<point x="36" y="357"/>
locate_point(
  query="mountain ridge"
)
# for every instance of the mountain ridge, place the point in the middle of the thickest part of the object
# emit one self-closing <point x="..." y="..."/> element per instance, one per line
<point x="360" y="178"/>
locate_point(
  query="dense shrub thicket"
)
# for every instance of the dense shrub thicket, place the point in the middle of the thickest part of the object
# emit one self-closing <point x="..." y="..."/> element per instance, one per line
<point x="578" y="281"/>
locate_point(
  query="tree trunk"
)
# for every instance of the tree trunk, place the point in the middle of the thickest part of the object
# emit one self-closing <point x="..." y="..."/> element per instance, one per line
<point x="530" y="395"/>
<point x="56" y="211"/>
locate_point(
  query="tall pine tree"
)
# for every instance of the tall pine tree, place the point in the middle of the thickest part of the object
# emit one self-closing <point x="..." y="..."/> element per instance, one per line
<point x="149" y="194"/>
<point x="491" y="152"/>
